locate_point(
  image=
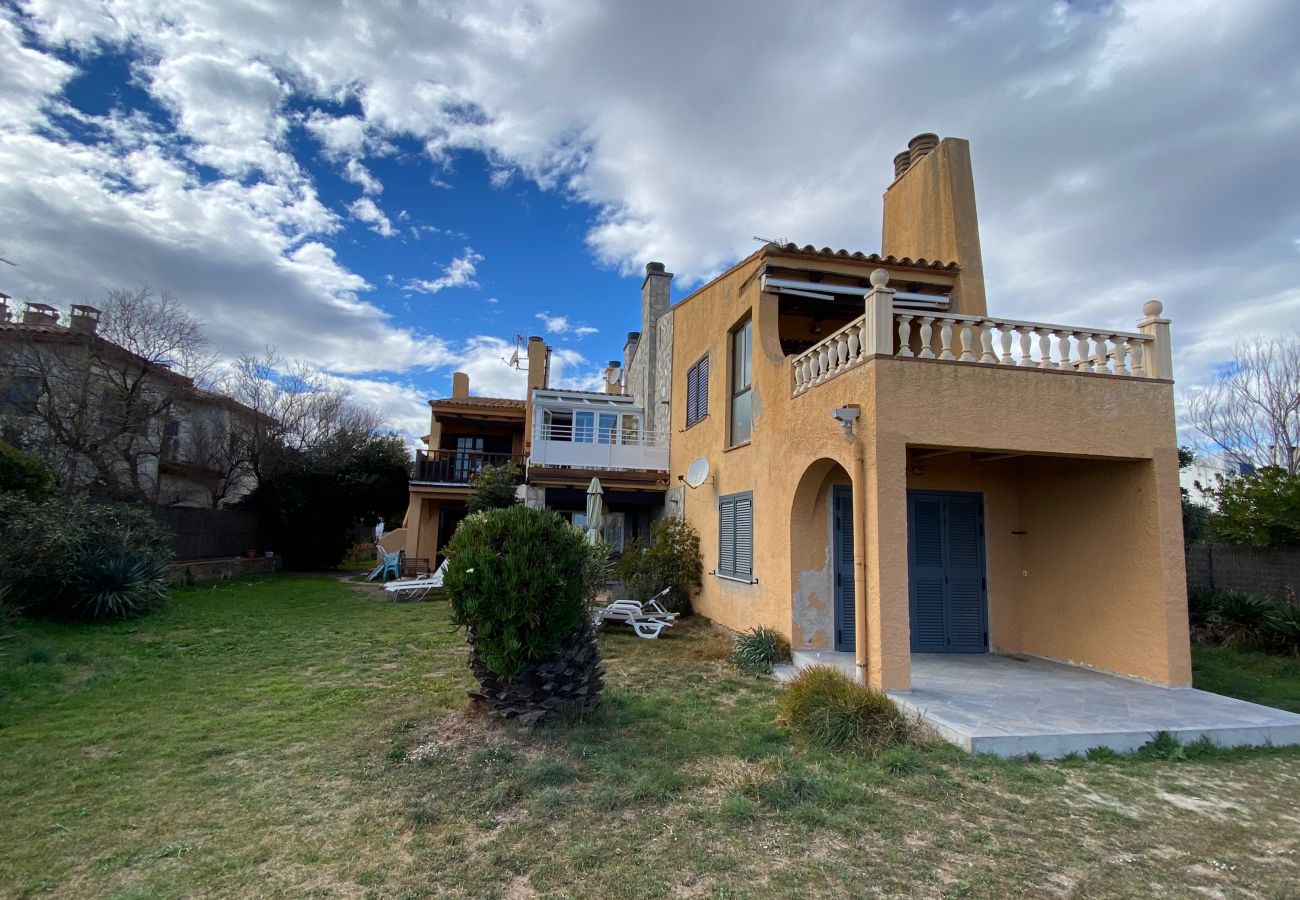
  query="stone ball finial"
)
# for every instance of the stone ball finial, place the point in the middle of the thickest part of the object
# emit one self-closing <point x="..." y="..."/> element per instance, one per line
<point x="879" y="278"/>
<point x="1152" y="309"/>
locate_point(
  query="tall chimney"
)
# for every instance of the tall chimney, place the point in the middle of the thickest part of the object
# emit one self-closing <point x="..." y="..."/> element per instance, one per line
<point x="539" y="364"/>
<point x="656" y="297"/>
<point x="629" y="347"/>
<point x="614" y="377"/>
<point x="85" y="320"/>
<point x="930" y="214"/>
<point x="4" y="306"/>
<point x="459" y="385"/>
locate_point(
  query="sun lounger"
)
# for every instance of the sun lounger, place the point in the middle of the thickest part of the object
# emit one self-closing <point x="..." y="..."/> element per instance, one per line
<point x="416" y="588"/>
<point x="647" y="619"/>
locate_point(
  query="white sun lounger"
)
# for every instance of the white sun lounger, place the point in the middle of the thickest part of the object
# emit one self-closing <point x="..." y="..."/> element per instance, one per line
<point x="416" y="588"/>
<point x="647" y="619"/>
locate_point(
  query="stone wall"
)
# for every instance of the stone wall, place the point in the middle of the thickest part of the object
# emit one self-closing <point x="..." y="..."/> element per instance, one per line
<point x="223" y="569"/>
<point x="1244" y="570"/>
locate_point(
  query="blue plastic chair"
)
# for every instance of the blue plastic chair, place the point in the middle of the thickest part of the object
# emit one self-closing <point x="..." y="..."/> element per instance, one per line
<point x="389" y="564"/>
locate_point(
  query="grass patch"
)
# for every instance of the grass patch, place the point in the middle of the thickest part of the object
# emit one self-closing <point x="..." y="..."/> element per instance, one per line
<point x="1268" y="678"/>
<point x="285" y="737"/>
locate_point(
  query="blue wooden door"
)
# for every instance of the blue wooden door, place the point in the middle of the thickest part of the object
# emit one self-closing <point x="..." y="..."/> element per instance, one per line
<point x="842" y="562"/>
<point x="947" y="594"/>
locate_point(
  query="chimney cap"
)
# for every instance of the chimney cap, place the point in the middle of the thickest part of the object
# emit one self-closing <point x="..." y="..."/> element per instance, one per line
<point x="654" y="267"/>
<point x="633" y="336"/>
<point x="615" y="364"/>
<point x="534" y="338"/>
<point x="82" y="309"/>
<point x="41" y="307"/>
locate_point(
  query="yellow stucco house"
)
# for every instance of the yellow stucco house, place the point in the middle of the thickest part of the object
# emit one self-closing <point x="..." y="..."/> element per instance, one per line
<point x="892" y="470"/>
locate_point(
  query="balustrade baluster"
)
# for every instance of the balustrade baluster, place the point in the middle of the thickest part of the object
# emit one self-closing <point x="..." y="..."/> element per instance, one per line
<point x="1135" y="350"/>
<point x="945" y="339"/>
<point x="1121" y="354"/>
<point x="926" y="333"/>
<point x="1026" y="339"/>
<point x="825" y="362"/>
<point x="1004" y="332"/>
<point x="986" y="342"/>
<point x="1084" y="362"/>
<point x="1044" y="348"/>
<point x="905" y="336"/>
<point x="965" y="336"/>
<point x="1101" y="359"/>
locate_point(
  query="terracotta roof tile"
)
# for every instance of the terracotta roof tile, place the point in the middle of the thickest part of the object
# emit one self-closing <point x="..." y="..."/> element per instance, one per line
<point x="497" y="402"/>
<point x="859" y="256"/>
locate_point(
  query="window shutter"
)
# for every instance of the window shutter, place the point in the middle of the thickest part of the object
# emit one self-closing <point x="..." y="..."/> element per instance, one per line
<point x="702" y="389"/>
<point x="744" y="536"/>
<point x="692" y="409"/>
<point x="727" y="536"/>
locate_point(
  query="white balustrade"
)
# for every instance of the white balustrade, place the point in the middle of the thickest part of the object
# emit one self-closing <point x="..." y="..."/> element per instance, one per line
<point x="978" y="339"/>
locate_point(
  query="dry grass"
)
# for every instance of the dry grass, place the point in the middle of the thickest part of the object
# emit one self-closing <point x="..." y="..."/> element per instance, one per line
<point x="295" y="738"/>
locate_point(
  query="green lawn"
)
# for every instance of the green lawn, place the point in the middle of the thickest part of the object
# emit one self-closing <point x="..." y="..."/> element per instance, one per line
<point x="1267" y="678"/>
<point x="299" y="737"/>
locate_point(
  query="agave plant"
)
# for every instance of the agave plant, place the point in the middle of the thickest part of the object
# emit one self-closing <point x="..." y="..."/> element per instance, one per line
<point x="118" y="584"/>
<point x="1244" y="619"/>
<point x="1284" y="622"/>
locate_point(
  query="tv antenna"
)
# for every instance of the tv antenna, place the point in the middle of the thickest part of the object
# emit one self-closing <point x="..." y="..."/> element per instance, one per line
<point x="521" y="343"/>
<point x="763" y="240"/>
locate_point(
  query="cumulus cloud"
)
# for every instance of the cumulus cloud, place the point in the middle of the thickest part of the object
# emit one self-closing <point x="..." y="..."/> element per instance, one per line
<point x="357" y="173"/>
<point x="1122" y="149"/>
<point x="562" y="325"/>
<point x="459" y="272"/>
<point x="366" y="210"/>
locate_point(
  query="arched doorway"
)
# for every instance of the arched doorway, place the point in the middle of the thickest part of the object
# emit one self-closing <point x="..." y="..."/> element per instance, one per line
<point x="821" y="559"/>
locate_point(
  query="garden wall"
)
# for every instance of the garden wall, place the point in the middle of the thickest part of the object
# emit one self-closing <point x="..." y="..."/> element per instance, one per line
<point x="1244" y="570"/>
<point x="206" y="533"/>
<point x="197" y="570"/>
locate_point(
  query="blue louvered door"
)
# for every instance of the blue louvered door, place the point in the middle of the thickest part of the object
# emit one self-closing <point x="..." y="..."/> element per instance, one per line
<point x="842" y="535"/>
<point x="947" y="594"/>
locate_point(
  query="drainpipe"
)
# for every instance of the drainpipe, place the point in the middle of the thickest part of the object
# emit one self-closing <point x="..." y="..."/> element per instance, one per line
<point x="860" y="556"/>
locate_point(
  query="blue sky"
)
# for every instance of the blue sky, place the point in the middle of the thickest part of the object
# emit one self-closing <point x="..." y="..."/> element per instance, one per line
<point x="355" y="183"/>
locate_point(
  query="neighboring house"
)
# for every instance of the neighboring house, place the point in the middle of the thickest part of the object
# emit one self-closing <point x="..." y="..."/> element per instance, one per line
<point x="892" y="470"/>
<point x="1204" y="471"/>
<point x="560" y="439"/>
<point x="113" y="423"/>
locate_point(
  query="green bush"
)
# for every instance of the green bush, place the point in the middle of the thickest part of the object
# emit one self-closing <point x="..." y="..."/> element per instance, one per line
<point x="46" y="543"/>
<point x="758" y="649"/>
<point x="519" y="580"/>
<point x="495" y="487"/>
<point x="670" y="559"/>
<point x="20" y="472"/>
<point x="515" y="577"/>
<point x="824" y="706"/>
<point x="1260" y="508"/>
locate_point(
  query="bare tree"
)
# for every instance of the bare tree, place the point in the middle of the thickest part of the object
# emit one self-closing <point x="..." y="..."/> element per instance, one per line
<point x="1251" y="412"/>
<point x="297" y="406"/>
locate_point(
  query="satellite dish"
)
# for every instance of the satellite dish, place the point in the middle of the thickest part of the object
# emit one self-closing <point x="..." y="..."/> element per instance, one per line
<point x="698" y="472"/>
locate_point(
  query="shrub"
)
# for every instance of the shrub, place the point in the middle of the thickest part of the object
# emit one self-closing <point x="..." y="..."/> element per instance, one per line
<point x="1260" y="508"/>
<point x="518" y="580"/>
<point x="758" y="649"/>
<point x="1243" y="619"/>
<point x="826" y="707"/>
<point x="1284" y="623"/>
<point x="20" y="472"/>
<point x="494" y="487"/>
<point x="45" y="544"/>
<point x="670" y="559"/>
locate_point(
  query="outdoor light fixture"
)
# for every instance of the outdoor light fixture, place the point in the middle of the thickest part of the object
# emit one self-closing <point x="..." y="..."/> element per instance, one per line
<point x="847" y="415"/>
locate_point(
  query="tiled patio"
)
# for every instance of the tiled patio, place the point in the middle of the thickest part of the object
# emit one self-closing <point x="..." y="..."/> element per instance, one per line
<point x="1010" y="706"/>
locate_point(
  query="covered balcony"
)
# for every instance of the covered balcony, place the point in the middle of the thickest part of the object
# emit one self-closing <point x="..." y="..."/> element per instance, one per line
<point x="458" y="466"/>
<point x="575" y="430"/>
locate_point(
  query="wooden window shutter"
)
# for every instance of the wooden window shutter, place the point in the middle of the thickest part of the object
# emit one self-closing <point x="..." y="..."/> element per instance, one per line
<point x="744" y="536"/>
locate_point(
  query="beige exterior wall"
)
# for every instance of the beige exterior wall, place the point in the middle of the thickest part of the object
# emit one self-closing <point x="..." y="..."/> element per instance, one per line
<point x="1100" y="463"/>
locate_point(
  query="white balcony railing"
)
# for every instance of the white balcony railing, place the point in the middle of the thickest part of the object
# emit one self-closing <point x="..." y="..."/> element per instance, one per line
<point x="591" y="448"/>
<point x="885" y="331"/>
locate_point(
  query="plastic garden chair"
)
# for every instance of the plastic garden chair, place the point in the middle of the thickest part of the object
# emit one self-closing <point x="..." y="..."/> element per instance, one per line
<point x="389" y="564"/>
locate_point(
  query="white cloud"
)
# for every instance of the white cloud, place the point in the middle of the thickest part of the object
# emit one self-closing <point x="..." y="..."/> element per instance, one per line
<point x="366" y="210"/>
<point x="357" y="173"/>
<point x="562" y="325"/>
<point x="1121" y="148"/>
<point x="459" y="272"/>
